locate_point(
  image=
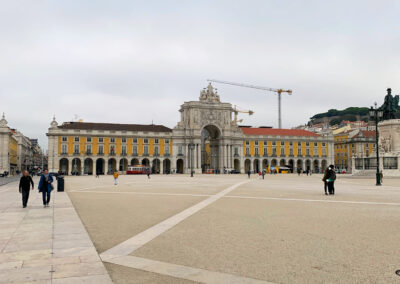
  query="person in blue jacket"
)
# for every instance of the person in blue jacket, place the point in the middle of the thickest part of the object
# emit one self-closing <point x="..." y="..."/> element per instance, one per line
<point x="45" y="187"/>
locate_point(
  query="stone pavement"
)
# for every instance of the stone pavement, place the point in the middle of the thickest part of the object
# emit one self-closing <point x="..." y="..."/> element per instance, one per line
<point x="45" y="245"/>
<point x="5" y="180"/>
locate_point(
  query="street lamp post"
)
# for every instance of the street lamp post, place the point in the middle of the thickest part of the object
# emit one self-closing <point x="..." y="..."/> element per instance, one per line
<point x="376" y="114"/>
<point x="191" y="147"/>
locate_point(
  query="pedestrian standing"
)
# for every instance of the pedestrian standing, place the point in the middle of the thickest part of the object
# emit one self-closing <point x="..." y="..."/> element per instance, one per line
<point x="381" y="176"/>
<point x="263" y="174"/>
<point x="45" y="187"/>
<point x="331" y="177"/>
<point x="116" y="175"/>
<point x="248" y="173"/>
<point x="148" y="173"/>
<point x="325" y="180"/>
<point x="298" y="171"/>
<point x="24" y="186"/>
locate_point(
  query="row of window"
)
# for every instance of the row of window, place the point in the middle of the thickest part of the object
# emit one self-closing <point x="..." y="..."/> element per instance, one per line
<point x="100" y="149"/>
<point x="299" y="151"/>
<point x="112" y="140"/>
<point x="283" y="143"/>
<point x="344" y="154"/>
<point x="353" y="146"/>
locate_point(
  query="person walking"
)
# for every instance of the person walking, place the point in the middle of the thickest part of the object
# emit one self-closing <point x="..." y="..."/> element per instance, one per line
<point x="248" y="173"/>
<point x="116" y="175"/>
<point x="381" y="176"/>
<point x="45" y="187"/>
<point x="324" y="179"/>
<point x="263" y="174"/>
<point x="24" y="186"/>
<point x="148" y="173"/>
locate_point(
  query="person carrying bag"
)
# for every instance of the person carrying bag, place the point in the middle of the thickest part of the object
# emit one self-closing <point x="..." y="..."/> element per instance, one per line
<point x="45" y="187"/>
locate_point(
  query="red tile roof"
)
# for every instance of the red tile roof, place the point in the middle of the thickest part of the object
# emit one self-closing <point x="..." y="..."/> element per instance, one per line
<point x="277" y="131"/>
<point x="114" y="126"/>
<point x="368" y="133"/>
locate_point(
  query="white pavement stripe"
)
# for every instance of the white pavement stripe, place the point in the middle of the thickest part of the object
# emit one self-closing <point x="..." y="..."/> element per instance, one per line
<point x="132" y="244"/>
<point x="243" y="197"/>
<point x="183" y="272"/>
<point x="313" y="200"/>
<point x="143" y="193"/>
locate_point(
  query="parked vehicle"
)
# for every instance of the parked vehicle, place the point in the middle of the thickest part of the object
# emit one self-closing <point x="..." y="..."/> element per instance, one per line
<point x="137" y="170"/>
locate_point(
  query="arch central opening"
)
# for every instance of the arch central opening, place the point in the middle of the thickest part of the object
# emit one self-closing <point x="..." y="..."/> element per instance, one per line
<point x="210" y="144"/>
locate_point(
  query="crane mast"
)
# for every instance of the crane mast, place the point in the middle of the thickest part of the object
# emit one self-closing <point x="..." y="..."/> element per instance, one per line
<point x="278" y="91"/>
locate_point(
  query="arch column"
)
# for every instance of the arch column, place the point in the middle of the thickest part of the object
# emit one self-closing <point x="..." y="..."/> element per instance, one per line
<point x="161" y="166"/>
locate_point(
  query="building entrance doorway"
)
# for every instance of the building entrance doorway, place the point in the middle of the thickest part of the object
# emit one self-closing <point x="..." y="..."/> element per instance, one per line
<point x="210" y="136"/>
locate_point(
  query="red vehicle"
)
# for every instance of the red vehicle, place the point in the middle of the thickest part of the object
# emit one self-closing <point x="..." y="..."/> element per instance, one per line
<point x="137" y="170"/>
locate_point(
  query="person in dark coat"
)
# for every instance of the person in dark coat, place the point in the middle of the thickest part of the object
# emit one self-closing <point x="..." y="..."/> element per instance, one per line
<point x="45" y="187"/>
<point x="330" y="178"/>
<point x="24" y="186"/>
<point x="324" y="179"/>
<point x="248" y="173"/>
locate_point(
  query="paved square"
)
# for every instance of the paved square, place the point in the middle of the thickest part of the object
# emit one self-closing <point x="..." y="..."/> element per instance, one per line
<point x="228" y="229"/>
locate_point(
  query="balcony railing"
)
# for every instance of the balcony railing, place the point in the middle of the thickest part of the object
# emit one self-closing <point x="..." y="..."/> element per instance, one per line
<point x="123" y="154"/>
<point x="180" y="155"/>
<point x="135" y="154"/>
<point x="100" y="154"/>
<point x="88" y="153"/>
<point x="256" y="155"/>
<point x="236" y="155"/>
<point x="111" y="154"/>
<point x="64" y="153"/>
<point x="167" y="155"/>
<point x="265" y="155"/>
<point x="76" y="153"/>
<point x="145" y="154"/>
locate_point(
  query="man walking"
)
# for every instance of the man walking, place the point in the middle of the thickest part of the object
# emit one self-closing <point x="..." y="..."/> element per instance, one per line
<point x="248" y="173"/>
<point x="116" y="175"/>
<point x="24" y="186"/>
<point x="45" y="187"/>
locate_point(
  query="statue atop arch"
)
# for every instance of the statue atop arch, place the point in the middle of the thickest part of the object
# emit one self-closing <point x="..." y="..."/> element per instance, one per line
<point x="208" y="95"/>
<point x="390" y="106"/>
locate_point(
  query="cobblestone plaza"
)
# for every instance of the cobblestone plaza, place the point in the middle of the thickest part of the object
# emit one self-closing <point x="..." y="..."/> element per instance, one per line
<point x="206" y="229"/>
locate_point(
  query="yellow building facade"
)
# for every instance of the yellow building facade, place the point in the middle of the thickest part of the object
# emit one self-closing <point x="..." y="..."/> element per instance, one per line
<point x="356" y="143"/>
<point x="206" y="140"/>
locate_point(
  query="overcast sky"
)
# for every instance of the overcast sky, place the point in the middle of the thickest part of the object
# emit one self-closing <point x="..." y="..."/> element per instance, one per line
<point x="138" y="61"/>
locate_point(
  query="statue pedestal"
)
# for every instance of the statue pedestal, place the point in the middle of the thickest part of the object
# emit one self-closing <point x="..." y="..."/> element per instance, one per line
<point x="389" y="152"/>
<point x="389" y="146"/>
<point x="389" y="136"/>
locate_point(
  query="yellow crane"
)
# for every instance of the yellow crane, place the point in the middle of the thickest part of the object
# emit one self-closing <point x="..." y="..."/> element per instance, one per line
<point x="236" y="111"/>
<point x="278" y="91"/>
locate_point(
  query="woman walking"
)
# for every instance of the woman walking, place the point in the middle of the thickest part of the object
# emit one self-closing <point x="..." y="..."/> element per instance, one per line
<point x="45" y="187"/>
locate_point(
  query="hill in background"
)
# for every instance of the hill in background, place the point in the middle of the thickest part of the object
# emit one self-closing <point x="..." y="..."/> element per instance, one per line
<point x="334" y="116"/>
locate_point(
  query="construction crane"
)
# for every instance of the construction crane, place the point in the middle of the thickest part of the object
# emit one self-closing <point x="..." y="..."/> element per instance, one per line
<point x="278" y="91"/>
<point x="236" y="111"/>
